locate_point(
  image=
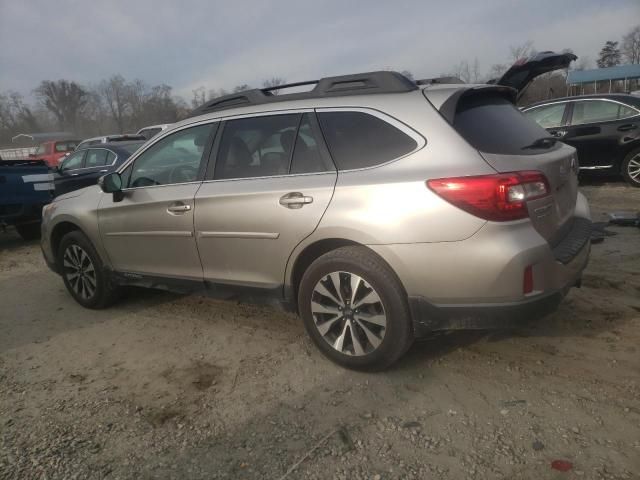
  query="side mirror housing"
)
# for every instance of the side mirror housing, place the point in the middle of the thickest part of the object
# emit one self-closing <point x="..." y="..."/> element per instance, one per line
<point x="112" y="183"/>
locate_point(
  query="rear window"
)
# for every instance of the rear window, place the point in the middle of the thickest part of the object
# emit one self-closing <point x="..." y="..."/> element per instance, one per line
<point x="360" y="140"/>
<point x="492" y="124"/>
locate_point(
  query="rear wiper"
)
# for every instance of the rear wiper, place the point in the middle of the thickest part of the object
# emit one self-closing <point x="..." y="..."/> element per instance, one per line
<point x="544" y="142"/>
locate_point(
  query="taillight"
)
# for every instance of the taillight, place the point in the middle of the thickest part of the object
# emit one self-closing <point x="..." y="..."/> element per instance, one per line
<point x="500" y="197"/>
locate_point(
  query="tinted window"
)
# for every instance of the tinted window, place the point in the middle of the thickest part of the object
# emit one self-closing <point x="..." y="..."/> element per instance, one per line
<point x="307" y="154"/>
<point x="492" y="124"/>
<point x="625" y="112"/>
<point x="358" y="140"/>
<point x="110" y="157"/>
<point x="256" y="147"/>
<point x="73" y="161"/>
<point x="593" y="111"/>
<point x="547" y="116"/>
<point x="174" y="159"/>
<point x="96" y="157"/>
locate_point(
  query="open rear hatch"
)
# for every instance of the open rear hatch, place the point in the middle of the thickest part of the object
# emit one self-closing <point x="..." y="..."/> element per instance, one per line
<point x="523" y="71"/>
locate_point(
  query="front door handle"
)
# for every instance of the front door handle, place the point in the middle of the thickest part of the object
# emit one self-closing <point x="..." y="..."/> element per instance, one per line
<point x="627" y="127"/>
<point x="295" y="200"/>
<point x="178" y="208"/>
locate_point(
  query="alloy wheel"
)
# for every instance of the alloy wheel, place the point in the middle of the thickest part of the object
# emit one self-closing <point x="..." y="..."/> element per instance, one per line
<point x="633" y="168"/>
<point x="348" y="313"/>
<point x="79" y="271"/>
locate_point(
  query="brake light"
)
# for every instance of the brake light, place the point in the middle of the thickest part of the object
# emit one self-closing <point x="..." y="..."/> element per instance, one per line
<point x="501" y="197"/>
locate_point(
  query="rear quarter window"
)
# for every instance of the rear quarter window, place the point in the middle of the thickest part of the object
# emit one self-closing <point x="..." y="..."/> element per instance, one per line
<point x="360" y="140"/>
<point x="492" y="124"/>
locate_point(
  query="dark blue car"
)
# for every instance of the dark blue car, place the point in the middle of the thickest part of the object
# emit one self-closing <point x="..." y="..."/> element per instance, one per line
<point x="83" y="167"/>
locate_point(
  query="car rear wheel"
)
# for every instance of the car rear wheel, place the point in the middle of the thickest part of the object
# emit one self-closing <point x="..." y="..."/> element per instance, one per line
<point x="83" y="273"/>
<point x="631" y="168"/>
<point x="355" y="309"/>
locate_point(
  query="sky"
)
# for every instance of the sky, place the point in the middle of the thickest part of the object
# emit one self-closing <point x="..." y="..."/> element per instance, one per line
<point x="213" y="44"/>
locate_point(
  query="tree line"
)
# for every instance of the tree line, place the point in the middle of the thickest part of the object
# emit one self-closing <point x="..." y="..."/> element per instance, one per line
<point x="118" y="105"/>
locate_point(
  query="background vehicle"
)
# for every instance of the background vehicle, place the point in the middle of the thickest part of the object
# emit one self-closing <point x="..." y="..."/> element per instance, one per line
<point x="448" y="212"/>
<point x="83" y="167"/>
<point x="152" y="130"/>
<point x="51" y="152"/>
<point x="128" y="137"/>
<point x="604" y="129"/>
<point x="25" y="187"/>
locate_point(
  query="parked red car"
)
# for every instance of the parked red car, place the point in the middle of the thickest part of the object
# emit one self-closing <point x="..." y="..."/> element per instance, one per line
<point x="51" y="152"/>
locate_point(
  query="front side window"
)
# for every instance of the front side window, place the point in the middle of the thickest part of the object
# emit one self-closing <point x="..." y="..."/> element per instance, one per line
<point x="176" y="158"/>
<point x="547" y="116"/>
<point x="73" y="161"/>
<point x="256" y="147"/>
<point x="96" y="157"/>
<point x="593" y="111"/>
<point x="359" y="140"/>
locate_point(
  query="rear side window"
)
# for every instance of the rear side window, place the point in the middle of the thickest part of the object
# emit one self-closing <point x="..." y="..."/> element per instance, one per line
<point x="256" y="147"/>
<point x="547" y="116"/>
<point x="492" y="124"/>
<point x="594" y="111"/>
<point x="360" y="140"/>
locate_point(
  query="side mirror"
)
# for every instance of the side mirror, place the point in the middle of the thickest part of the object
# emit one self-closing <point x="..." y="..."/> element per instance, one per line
<point x="112" y="183"/>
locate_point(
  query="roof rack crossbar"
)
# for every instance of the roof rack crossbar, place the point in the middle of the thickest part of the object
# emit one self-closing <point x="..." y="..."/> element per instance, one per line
<point x="439" y="80"/>
<point x="356" y="84"/>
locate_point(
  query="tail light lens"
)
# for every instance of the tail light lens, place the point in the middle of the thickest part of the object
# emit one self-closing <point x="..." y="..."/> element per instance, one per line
<point x="499" y="198"/>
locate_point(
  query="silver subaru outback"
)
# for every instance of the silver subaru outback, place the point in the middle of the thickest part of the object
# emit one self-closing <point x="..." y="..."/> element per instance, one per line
<point x="378" y="208"/>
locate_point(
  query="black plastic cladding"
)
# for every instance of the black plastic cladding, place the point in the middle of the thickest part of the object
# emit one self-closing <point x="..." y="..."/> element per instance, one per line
<point x="355" y="84"/>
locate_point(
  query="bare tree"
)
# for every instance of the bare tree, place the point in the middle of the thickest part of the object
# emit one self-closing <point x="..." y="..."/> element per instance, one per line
<point x="524" y="50"/>
<point x="609" y="56"/>
<point x="274" y="82"/>
<point x="64" y="99"/>
<point x="631" y="45"/>
<point x="115" y="93"/>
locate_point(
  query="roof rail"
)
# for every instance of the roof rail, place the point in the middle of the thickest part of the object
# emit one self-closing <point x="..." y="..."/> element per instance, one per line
<point x="439" y="80"/>
<point x="355" y="84"/>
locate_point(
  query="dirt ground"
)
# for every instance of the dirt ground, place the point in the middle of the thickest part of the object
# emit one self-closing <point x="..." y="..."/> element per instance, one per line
<point x="169" y="386"/>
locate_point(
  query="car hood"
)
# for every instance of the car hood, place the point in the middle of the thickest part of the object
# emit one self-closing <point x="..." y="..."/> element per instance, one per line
<point x="522" y="72"/>
<point x="73" y="194"/>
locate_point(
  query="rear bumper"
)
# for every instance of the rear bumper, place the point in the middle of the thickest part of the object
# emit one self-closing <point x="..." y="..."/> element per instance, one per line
<point x="570" y="258"/>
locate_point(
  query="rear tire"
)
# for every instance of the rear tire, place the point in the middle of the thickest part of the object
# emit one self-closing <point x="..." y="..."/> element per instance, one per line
<point x="83" y="272"/>
<point x="29" y="231"/>
<point x="631" y="168"/>
<point x="355" y="309"/>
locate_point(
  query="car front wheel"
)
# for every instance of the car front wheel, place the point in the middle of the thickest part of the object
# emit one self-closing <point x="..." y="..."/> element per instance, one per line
<point x="83" y="273"/>
<point x="355" y="309"/>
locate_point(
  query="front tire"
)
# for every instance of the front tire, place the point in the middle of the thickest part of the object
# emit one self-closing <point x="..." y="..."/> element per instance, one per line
<point x="83" y="272"/>
<point x="355" y="309"/>
<point x="631" y="168"/>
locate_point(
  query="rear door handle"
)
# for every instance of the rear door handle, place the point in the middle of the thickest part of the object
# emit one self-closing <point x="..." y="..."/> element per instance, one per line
<point x="295" y="200"/>
<point x="627" y="127"/>
<point x="178" y="208"/>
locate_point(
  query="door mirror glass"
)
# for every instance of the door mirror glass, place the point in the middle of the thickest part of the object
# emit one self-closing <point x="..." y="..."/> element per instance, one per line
<point x="111" y="183"/>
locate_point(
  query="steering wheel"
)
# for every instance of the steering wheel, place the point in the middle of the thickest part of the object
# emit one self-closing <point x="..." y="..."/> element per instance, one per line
<point x="183" y="174"/>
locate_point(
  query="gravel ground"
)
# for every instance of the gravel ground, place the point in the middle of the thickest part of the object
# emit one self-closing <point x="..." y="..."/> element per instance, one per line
<point x="169" y="386"/>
